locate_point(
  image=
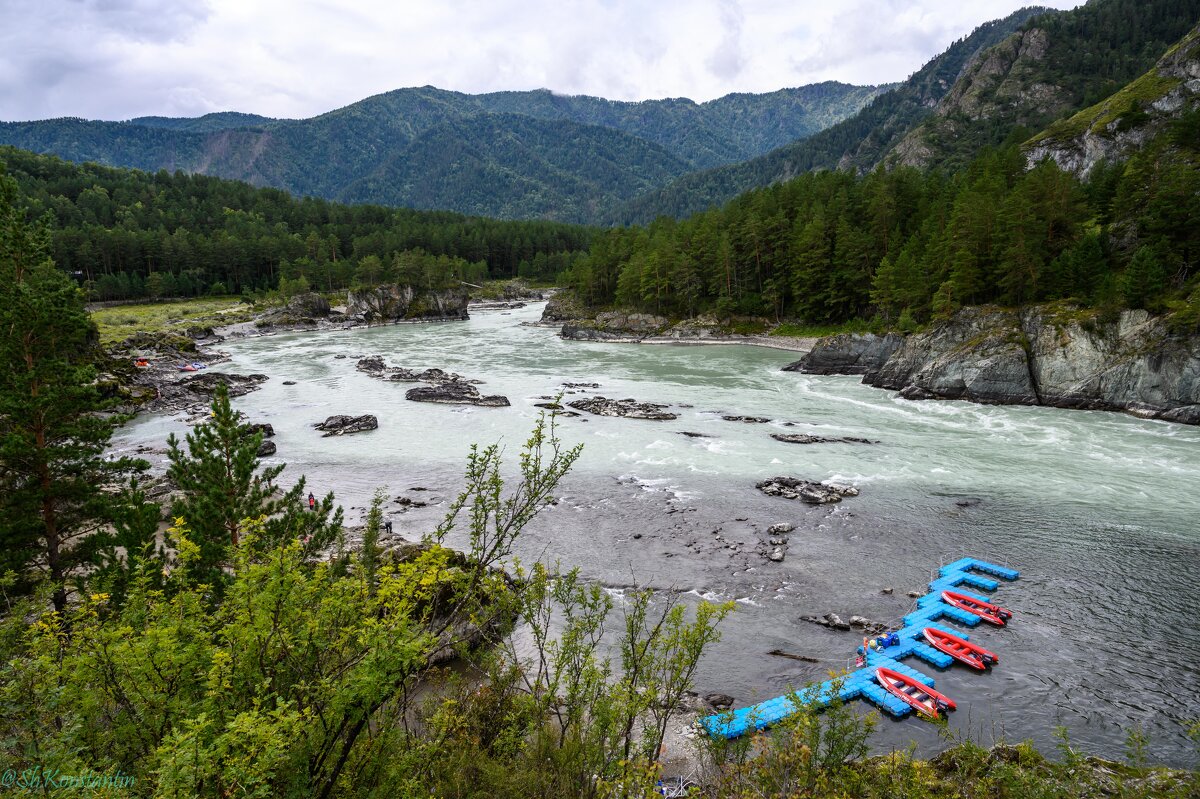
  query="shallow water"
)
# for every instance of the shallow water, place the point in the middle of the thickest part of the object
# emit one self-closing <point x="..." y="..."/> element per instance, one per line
<point x="1098" y="510"/>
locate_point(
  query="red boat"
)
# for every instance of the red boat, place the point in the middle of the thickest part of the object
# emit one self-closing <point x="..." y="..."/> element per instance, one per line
<point x="963" y="651"/>
<point x="985" y="610"/>
<point x="924" y="699"/>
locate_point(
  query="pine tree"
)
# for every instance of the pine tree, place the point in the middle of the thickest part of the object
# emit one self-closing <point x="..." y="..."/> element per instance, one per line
<point x="369" y="557"/>
<point x="222" y="487"/>
<point x="52" y="436"/>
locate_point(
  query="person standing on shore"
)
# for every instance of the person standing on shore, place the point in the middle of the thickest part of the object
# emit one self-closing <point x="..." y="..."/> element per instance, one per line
<point x="312" y="501"/>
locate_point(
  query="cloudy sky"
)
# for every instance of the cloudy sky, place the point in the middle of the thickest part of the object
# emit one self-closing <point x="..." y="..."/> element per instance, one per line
<point x="116" y="59"/>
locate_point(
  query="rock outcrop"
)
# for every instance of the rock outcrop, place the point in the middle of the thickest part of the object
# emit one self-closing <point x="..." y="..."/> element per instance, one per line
<point x="206" y="383"/>
<point x="1004" y="87"/>
<point x="979" y="355"/>
<point x="848" y="354"/>
<point x="1127" y="121"/>
<point x="344" y="425"/>
<point x="391" y="303"/>
<point x="602" y="406"/>
<point x="616" y="325"/>
<point x="806" y="490"/>
<point x="804" y="438"/>
<point x="1052" y="355"/>
<point x="562" y="307"/>
<point x="455" y="392"/>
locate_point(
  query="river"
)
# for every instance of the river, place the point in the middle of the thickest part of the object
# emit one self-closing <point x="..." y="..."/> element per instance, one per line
<point x="1098" y="510"/>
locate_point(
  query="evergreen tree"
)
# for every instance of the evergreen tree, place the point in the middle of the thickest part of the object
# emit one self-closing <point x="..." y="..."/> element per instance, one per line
<point x="52" y="434"/>
<point x="223" y="487"/>
<point x="369" y="557"/>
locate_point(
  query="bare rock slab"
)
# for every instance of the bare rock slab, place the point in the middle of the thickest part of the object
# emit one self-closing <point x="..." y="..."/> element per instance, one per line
<point x="344" y="425"/>
<point x="806" y="490"/>
<point x="631" y="409"/>
<point x="455" y="393"/>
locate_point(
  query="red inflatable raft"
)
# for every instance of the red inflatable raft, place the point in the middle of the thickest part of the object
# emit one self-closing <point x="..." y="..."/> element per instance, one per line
<point x="984" y="610"/>
<point x="924" y="699"/>
<point x="963" y="651"/>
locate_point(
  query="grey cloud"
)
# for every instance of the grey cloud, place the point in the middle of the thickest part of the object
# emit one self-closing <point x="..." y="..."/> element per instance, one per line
<point x="144" y="20"/>
<point x="727" y="60"/>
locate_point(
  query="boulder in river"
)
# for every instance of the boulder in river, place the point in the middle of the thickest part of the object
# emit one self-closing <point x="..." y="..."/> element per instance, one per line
<point x="848" y="354"/>
<point x="748" y="419"/>
<point x="207" y="382"/>
<point x="806" y="490"/>
<point x="389" y="303"/>
<point x="455" y="393"/>
<point x="781" y="529"/>
<point x="803" y="438"/>
<point x="830" y="620"/>
<point x="344" y="425"/>
<point x="602" y="406"/>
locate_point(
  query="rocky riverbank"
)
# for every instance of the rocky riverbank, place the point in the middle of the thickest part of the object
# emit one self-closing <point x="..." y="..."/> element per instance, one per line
<point x="621" y="327"/>
<point x="1051" y="355"/>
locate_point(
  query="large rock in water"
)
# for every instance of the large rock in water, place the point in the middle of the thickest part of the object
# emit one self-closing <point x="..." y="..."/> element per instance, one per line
<point x="344" y="425"/>
<point x="631" y="409"/>
<point x="237" y="385"/>
<point x="848" y="354"/>
<point x="390" y="303"/>
<point x="616" y="325"/>
<point x="455" y="393"/>
<point x="806" y="490"/>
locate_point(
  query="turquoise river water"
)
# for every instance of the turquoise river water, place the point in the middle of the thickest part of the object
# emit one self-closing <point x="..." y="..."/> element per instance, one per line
<point x="1099" y="511"/>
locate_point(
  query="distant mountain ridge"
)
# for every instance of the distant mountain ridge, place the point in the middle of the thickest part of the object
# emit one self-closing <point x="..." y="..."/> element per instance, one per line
<point x="1054" y="66"/>
<point x="858" y="142"/>
<point x="506" y="154"/>
<point x="1009" y="78"/>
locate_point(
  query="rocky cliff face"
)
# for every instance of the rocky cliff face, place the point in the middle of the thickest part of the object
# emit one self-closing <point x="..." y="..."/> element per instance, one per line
<point x="848" y="354"/>
<point x="1045" y="355"/>
<point x="1127" y="121"/>
<point x="391" y="303"/>
<point x="1000" y="88"/>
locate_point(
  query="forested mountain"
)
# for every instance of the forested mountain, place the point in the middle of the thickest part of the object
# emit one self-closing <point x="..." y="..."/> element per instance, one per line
<point x="508" y="154"/>
<point x="858" y="142"/>
<point x="127" y="234"/>
<point x="1100" y="210"/>
<point x="1160" y="111"/>
<point x="1009" y="79"/>
<point x="1054" y="66"/>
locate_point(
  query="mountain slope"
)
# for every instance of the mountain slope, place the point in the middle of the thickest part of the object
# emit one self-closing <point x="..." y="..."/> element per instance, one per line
<point x="509" y="166"/>
<point x="1055" y="65"/>
<point x="1162" y="100"/>
<point x="399" y="147"/>
<point x="858" y="142"/>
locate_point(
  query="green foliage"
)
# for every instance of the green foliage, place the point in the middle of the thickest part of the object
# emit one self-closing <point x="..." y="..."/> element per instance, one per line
<point x="297" y="682"/>
<point x="222" y="487"/>
<point x="52" y="431"/>
<point x="563" y="719"/>
<point x="829" y="249"/>
<point x="127" y="234"/>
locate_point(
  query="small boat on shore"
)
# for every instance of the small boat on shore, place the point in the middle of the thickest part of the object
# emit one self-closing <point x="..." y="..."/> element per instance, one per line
<point x="993" y="614"/>
<point x="923" y="699"/>
<point x="963" y="651"/>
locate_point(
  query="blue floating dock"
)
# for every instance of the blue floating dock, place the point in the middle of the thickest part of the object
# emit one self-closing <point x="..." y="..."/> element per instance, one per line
<point x="861" y="683"/>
